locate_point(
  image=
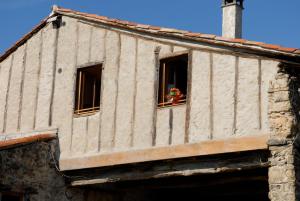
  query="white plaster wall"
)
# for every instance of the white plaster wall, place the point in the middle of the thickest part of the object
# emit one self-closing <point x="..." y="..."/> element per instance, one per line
<point x="126" y="90"/>
<point x="5" y="68"/>
<point x="248" y="103"/>
<point x="14" y="91"/>
<point x="224" y="93"/>
<point x="46" y="77"/>
<point x="200" y="114"/>
<point x="84" y="43"/>
<point x="178" y="125"/>
<point x="31" y="83"/>
<point x="109" y="93"/>
<point x="145" y="100"/>
<point x="63" y="98"/>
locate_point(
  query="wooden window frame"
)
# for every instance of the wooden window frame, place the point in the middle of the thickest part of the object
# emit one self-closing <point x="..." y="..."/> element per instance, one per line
<point x="161" y="85"/>
<point x="79" y="91"/>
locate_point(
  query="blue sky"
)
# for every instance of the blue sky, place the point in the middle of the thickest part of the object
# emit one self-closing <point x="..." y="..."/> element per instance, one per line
<point x="270" y="21"/>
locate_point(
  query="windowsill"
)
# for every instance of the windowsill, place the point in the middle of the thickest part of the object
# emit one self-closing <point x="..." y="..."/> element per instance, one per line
<point x="170" y="105"/>
<point x="86" y="114"/>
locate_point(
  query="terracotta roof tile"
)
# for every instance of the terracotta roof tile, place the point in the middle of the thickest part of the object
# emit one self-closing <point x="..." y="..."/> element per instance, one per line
<point x="154" y="27"/>
<point x="270" y="46"/>
<point x="224" y="39"/>
<point x="239" y="40"/>
<point x="190" y="34"/>
<point x="287" y="49"/>
<point x="142" y="26"/>
<point x="209" y="36"/>
<point x="248" y="42"/>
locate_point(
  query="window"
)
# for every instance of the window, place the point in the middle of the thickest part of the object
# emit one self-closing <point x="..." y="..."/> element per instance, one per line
<point x="173" y="81"/>
<point x="88" y="89"/>
<point x="11" y="197"/>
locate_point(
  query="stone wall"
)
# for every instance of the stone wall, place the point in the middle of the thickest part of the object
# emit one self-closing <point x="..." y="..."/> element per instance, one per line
<point x="30" y="170"/>
<point x="284" y="105"/>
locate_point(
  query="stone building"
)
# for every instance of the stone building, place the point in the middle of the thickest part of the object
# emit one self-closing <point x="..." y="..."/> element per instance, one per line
<point x="93" y="108"/>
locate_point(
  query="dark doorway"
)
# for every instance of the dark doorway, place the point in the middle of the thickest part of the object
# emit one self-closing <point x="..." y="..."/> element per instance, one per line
<point x="242" y="185"/>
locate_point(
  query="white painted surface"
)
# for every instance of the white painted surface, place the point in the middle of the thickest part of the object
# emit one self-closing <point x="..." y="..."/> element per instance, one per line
<point x="126" y="81"/>
<point x="248" y="97"/>
<point x="14" y="92"/>
<point x="199" y="128"/>
<point x="31" y="82"/>
<point x="223" y="95"/>
<point x="63" y="102"/>
<point x="109" y="93"/>
<point x="46" y="77"/>
<point x="145" y="102"/>
<point x="5" y="67"/>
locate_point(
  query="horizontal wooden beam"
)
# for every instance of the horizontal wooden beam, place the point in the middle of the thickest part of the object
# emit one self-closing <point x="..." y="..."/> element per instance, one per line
<point x="204" y="148"/>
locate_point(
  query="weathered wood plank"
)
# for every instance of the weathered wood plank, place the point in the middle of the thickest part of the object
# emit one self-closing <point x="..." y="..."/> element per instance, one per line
<point x="210" y="147"/>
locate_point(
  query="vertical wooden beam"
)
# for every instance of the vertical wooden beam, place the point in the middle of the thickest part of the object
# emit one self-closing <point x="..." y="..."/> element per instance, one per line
<point x="22" y="86"/>
<point x="170" y="125"/>
<point x="259" y="80"/>
<point x="38" y="81"/>
<point x="54" y="78"/>
<point x="211" y="94"/>
<point x="117" y="89"/>
<point x="6" y="94"/>
<point x="235" y="94"/>
<point x="79" y="91"/>
<point x="156" y="86"/>
<point x="134" y="92"/>
<point x="188" y="98"/>
<point x="102" y="86"/>
<point x="74" y="82"/>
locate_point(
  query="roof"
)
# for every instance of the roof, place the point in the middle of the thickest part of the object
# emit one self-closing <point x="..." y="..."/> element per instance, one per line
<point x="200" y="37"/>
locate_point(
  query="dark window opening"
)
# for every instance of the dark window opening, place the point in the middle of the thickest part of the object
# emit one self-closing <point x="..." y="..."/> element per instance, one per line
<point x="88" y="90"/>
<point x="11" y="197"/>
<point x="173" y="81"/>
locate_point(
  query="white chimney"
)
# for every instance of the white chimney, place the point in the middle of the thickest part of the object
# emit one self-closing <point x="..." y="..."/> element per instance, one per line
<point x="232" y="18"/>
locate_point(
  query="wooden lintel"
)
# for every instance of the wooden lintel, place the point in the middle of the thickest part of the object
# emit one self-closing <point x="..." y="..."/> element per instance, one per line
<point x="204" y="148"/>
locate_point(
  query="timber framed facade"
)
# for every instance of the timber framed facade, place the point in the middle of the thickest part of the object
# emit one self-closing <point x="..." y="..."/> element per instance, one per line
<point x="238" y="114"/>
